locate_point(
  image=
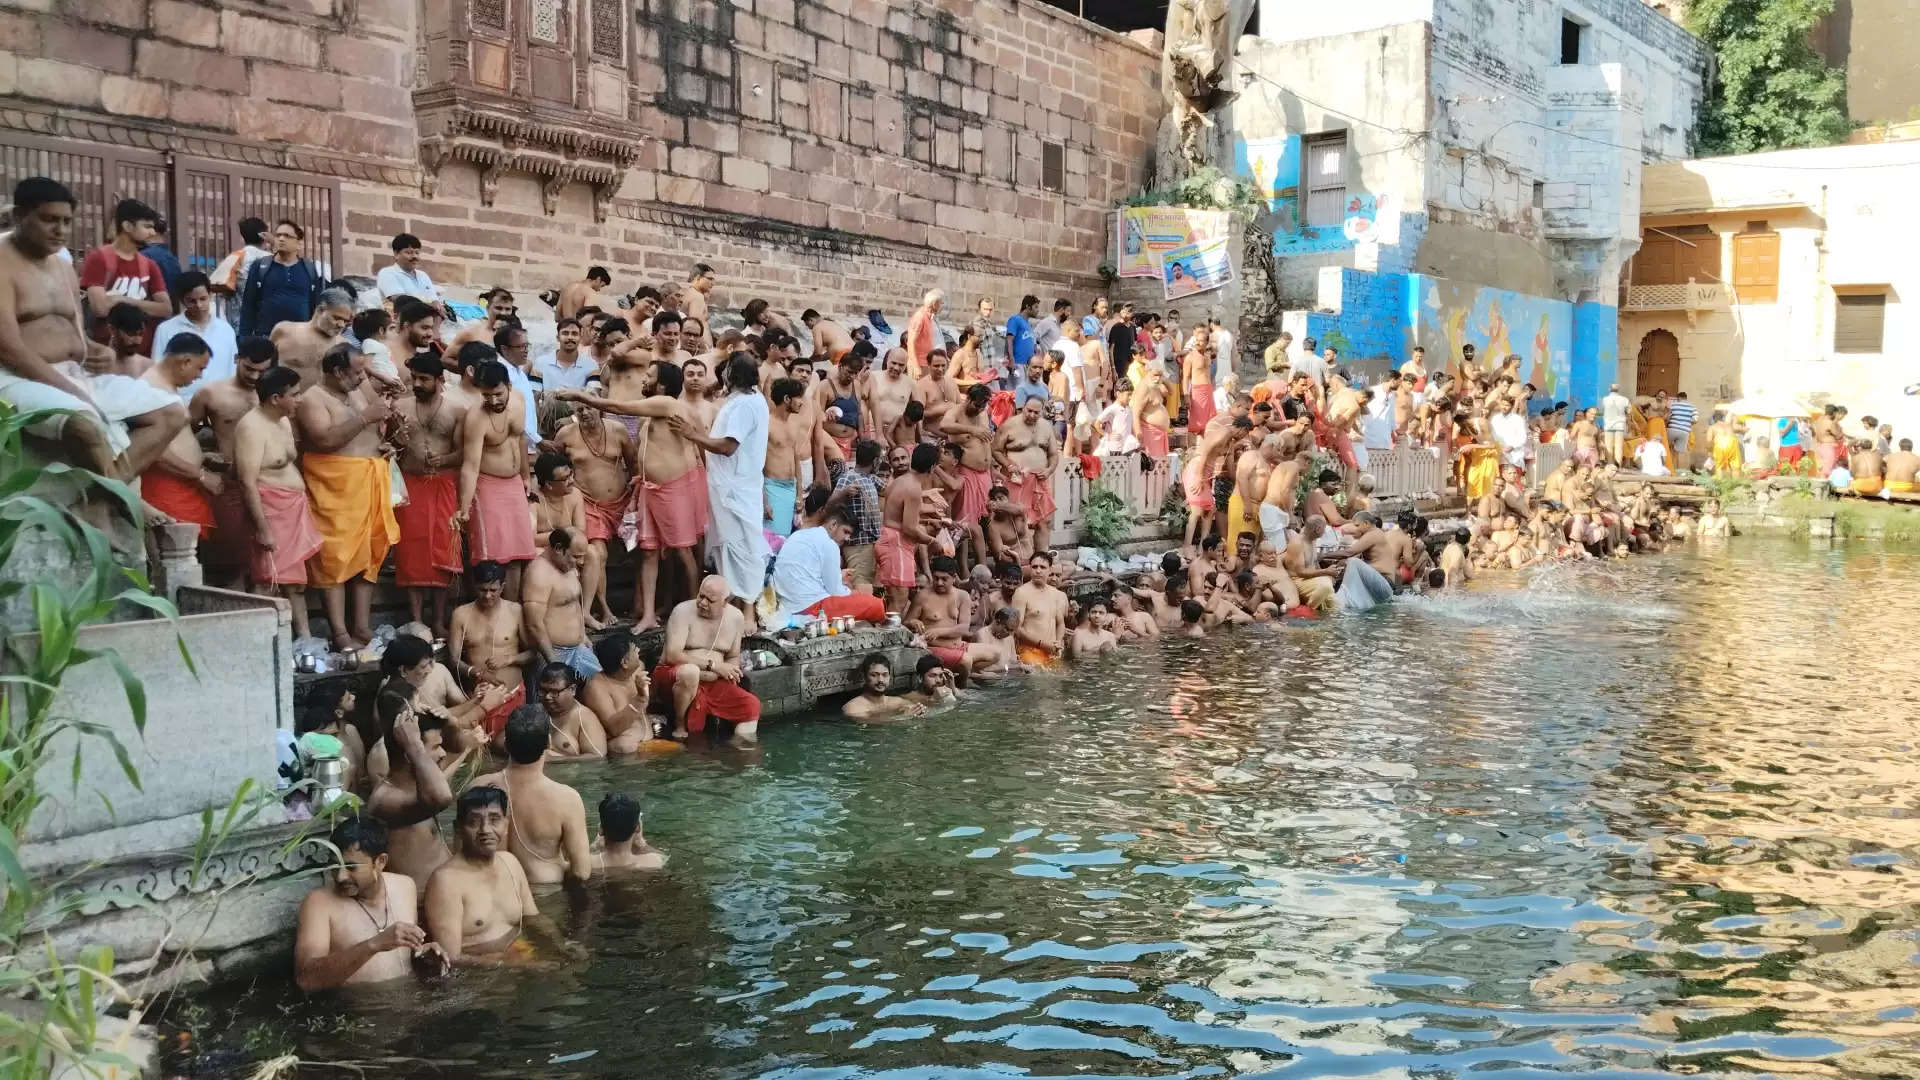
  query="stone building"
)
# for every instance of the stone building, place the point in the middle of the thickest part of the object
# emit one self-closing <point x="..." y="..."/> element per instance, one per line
<point x="845" y="154"/>
<point x="1779" y="275"/>
<point x="1444" y="172"/>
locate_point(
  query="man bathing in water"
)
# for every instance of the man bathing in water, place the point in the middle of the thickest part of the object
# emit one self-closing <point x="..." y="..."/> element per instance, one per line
<point x="479" y="905"/>
<point x="547" y="828"/>
<point x="618" y="694"/>
<point x="873" y="704"/>
<point x="622" y="847"/>
<point x="362" y="926"/>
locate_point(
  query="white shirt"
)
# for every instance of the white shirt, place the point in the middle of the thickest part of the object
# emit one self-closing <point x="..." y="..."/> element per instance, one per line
<point x="1613" y="410"/>
<point x="1223" y="355"/>
<point x="1312" y="364"/>
<point x="1377" y="425"/>
<point x="1071" y="360"/>
<point x="393" y="281"/>
<point x="807" y="570"/>
<point x="218" y="334"/>
<point x="1653" y="458"/>
<point x="1116" y="431"/>
<point x="518" y="380"/>
<point x="556" y="376"/>
<point x="736" y="479"/>
<point x="1510" y="431"/>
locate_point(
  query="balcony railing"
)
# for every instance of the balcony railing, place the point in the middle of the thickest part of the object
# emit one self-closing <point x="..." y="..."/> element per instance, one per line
<point x="1691" y="296"/>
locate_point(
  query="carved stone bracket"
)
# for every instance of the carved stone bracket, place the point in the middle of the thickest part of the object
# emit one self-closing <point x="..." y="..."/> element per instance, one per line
<point x="558" y="155"/>
<point x="161" y="876"/>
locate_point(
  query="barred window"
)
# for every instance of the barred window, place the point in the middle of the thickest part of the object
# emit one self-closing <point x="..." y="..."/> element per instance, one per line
<point x="490" y="14"/>
<point x="608" y="43"/>
<point x="546" y="21"/>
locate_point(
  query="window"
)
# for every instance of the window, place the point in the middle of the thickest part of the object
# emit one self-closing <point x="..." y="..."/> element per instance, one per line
<point x="1539" y="195"/>
<point x="1676" y="254"/>
<point x="489" y="14"/>
<point x="608" y="41"/>
<point x="544" y="25"/>
<point x="1859" y="322"/>
<point x="1572" y="37"/>
<point x="1053" y="166"/>
<point x="1326" y="180"/>
<point x="1756" y="266"/>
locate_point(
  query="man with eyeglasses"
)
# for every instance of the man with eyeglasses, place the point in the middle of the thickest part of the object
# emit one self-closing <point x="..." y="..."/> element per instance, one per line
<point x="284" y="288"/>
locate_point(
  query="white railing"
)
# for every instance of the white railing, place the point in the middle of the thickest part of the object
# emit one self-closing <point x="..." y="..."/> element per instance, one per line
<point x="1142" y="491"/>
<point x="1690" y="296"/>
<point x="1404" y="472"/>
<point x="1548" y="457"/>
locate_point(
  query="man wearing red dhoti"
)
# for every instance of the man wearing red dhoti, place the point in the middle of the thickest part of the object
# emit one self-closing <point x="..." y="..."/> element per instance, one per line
<point x="275" y="495"/>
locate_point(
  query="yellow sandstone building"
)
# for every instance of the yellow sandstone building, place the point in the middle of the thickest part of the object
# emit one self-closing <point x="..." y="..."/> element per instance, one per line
<point x="1786" y="273"/>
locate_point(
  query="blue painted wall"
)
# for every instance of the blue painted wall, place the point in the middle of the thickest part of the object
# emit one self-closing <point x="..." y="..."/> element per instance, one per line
<point x="1567" y="350"/>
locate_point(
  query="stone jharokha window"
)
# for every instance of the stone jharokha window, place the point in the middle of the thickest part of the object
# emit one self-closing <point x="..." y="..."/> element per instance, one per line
<point x="490" y="14"/>
<point x="548" y="22"/>
<point x="609" y="39"/>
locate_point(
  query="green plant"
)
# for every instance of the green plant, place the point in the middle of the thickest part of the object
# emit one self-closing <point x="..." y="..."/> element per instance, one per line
<point x="1108" y="272"/>
<point x="1174" y="509"/>
<point x="1104" y="519"/>
<point x="1207" y="189"/>
<point x="61" y="1027"/>
<point x="1730" y="490"/>
<point x="1772" y="89"/>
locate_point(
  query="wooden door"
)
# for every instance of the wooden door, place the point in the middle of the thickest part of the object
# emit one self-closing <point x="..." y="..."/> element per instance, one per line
<point x="1659" y="367"/>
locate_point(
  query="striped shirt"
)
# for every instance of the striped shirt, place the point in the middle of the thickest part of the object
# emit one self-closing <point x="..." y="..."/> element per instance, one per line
<point x="1680" y="415"/>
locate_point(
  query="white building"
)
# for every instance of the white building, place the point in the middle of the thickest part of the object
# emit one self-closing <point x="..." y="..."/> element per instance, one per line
<point x="1489" y="142"/>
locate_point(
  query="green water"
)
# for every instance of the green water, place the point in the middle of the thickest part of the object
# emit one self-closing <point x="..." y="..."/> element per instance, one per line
<point x="1652" y="817"/>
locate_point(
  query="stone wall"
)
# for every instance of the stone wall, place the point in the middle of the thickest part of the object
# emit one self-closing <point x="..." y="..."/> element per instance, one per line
<point x="840" y="153"/>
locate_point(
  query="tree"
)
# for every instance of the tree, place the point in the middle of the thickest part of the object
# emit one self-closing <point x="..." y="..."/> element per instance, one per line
<point x="1773" y="90"/>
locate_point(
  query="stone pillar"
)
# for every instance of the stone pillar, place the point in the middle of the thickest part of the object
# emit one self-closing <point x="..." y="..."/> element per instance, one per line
<point x="177" y="557"/>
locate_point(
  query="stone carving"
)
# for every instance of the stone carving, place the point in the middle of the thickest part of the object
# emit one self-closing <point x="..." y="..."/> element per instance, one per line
<point x="551" y="188"/>
<point x="161" y="876"/>
<point x="499" y="144"/>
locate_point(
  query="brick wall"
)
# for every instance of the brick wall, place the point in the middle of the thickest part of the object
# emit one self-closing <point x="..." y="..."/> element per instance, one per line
<point x="840" y="153"/>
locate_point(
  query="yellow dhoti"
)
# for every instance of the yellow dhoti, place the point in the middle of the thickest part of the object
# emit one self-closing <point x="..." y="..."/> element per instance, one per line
<point x="1238" y="523"/>
<point x="1316" y="593"/>
<point x="1867" y="485"/>
<point x="1726" y="455"/>
<point x="1900" y="487"/>
<point x="1481" y="470"/>
<point x="353" y="510"/>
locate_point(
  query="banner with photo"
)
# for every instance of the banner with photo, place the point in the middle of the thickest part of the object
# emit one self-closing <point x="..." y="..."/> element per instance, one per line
<point x="1196" y="268"/>
<point x="1147" y="233"/>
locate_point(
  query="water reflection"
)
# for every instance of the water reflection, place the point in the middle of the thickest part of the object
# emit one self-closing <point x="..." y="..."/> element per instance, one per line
<point x="1654" y="816"/>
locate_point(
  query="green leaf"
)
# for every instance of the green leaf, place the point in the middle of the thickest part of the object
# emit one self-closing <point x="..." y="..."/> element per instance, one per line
<point x="130" y="683"/>
<point x="17" y="879"/>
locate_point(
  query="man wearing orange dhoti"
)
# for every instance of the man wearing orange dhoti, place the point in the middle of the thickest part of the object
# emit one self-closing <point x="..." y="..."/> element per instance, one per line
<point x="340" y="423"/>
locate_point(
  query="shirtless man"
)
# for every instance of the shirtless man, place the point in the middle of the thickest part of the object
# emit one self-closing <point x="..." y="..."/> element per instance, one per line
<point x="119" y="426"/>
<point x="275" y="495"/>
<point x="500" y="308"/>
<point x="1196" y="476"/>
<point x="998" y="635"/>
<point x="1554" y="487"/>
<point x="559" y="506"/>
<point x="972" y="429"/>
<point x="697" y="390"/>
<point x="341" y="425"/>
<point x="493" y="477"/>
<point x="793" y="440"/>
<point x="936" y="390"/>
<point x="692" y="298"/>
<point x="622" y="847"/>
<point x="1283" y="485"/>
<point x="302" y="344"/>
<point x="700" y="665"/>
<point x="218" y="407"/>
<point x="427" y="555"/>
<point x="1374" y="549"/>
<point x="179" y="484"/>
<point x="674" y="493"/>
<point x="1903" y="465"/>
<point x="1041" y="632"/>
<point x="412" y="792"/>
<point x="839" y="400"/>
<point x="943" y="616"/>
<point x="1095" y="634"/>
<point x="1151" y="424"/>
<point x="888" y="391"/>
<point x="1454" y="564"/>
<point x="550" y="607"/>
<point x="618" y="694"/>
<point x="362" y="925"/>
<point x="1271" y="577"/>
<point x="1026" y="453"/>
<point x="1868" y="468"/>
<point x="1584" y="435"/>
<point x="1713" y="524"/>
<point x="575" y="295"/>
<point x="547" y="825"/>
<point x="479" y="903"/>
<point x="903" y="527"/>
<point x="1009" y="536"/>
<point x="605" y="460"/>
<point x="577" y="731"/>
<point x="830" y="340"/>
<point x="415" y="329"/>
<point x="1251" y="483"/>
<point x="1130" y="621"/>
<point x="873" y="704"/>
<point x="485" y="641"/>
<point x="1301" y="560"/>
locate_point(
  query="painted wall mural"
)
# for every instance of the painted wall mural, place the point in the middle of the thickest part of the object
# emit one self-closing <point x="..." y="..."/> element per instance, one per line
<point x="1273" y="165"/>
<point x="1563" y="348"/>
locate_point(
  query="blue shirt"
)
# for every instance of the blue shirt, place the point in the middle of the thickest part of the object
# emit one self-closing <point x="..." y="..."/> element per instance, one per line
<point x="1789" y="430"/>
<point x="1020" y="339"/>
<point x="1027" y="391"/>
<point x="1680" y="415"/>
<point x="163" y="257"/>
<point x="275" y="293"/>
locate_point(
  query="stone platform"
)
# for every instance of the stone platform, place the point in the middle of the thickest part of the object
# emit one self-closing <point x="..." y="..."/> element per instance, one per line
<point x="810" y="670"/>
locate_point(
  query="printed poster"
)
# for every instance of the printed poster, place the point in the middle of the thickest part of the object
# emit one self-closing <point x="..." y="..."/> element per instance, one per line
<point x="1147" y="233"/>
<point x="1196" y="268"/>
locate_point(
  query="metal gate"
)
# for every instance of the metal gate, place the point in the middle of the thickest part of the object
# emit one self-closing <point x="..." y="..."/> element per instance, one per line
<point x="202" y="200"/>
